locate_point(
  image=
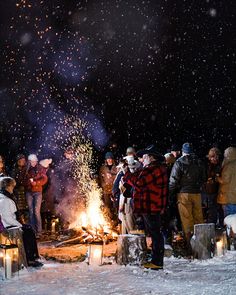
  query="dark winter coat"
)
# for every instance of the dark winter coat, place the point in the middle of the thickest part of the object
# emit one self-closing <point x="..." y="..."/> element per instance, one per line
<point x="211" y="186"/>
<point x="187" y="176"/>
<point x="115" y="188"/>
<point x="150" y="188"/>
<point x="19" y="174"/>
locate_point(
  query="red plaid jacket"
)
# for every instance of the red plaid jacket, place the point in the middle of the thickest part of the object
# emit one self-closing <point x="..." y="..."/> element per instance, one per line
<point x="150" y="188"/>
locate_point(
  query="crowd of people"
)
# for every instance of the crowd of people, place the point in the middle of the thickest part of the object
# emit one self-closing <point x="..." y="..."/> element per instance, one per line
<point x="21" y="196"/>
<point x="144" y="191"/>
<point x="171" y="192"/>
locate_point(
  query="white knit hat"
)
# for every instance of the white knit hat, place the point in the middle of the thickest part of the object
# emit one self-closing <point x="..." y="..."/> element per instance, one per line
<point x="32" y="157"/>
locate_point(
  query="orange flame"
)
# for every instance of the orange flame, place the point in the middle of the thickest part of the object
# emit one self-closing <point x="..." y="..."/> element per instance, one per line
<point x="92" y="215"/>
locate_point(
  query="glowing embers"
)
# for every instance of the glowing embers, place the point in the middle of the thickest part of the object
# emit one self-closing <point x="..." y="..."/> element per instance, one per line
<point x="92" y="227"/>
<point x="91" y="224"/>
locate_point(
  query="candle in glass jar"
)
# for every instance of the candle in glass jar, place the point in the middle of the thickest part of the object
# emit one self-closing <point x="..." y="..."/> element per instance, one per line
<point x="95" y="254"/>
<point x="53" y="227"/>
<point x="8" y="270"/>
<point x="219" y="248"/>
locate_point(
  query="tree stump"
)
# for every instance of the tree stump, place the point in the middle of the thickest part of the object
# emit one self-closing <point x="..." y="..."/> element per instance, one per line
<point x="131" y="249"/>
<point x="203" y="241"/>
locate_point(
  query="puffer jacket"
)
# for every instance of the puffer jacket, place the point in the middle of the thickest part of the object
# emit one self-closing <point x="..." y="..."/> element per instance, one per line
<point x="8" y="211"/>
<point x="187" y="175"/>
<point x="228" y="177"/>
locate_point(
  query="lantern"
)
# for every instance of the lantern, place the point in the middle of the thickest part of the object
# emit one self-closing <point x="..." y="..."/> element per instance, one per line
<point x="221" y="243"/>
<point x="219" y="248"/>
<point x="54" y="225"/>
<point x="95" y="254"/>
<point x="9" y="260"/>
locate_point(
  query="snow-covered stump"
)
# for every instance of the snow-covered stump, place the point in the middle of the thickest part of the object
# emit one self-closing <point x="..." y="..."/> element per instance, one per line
<point x="203" y="241"/>
<point x="131" y="249"/>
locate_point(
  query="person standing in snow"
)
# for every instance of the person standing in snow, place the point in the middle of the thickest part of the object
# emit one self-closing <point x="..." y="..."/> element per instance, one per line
<point x="211" y="186"/>
<point x="126" y="215"/>
<point x="130" y="151"/>
<point x="227" y="180"/>
<point x="150" y="186"/>
<point x="169" y="161"/>
<point x="48" y="207"/>
<point x="175" y="151"/>
<point x="186" y="179"/>
<point x="171" y="219"/>
<point x="19" y="174"/>
<point x="107" y="175"/>
<point x="34" y="181"/>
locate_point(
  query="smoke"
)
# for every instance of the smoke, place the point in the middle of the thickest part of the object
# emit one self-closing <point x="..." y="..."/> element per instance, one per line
<point x="49" y="128"/>
<point x="71" y="60"/>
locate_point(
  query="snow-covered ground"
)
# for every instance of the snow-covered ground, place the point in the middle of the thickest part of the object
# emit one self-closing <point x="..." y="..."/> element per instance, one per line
<point x="214" y="276"/>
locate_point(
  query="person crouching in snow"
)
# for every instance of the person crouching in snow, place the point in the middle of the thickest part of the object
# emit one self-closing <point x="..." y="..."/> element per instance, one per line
<point x="23" y="234"/>
<point x="36" y="178"/>
<point x="150" y="197"/>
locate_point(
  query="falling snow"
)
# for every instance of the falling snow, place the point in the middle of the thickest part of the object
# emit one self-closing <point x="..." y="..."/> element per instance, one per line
<point x="163" y="69"/>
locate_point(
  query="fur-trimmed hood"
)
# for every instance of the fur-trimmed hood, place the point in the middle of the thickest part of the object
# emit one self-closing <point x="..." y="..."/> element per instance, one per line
<point x="229" y="155"/>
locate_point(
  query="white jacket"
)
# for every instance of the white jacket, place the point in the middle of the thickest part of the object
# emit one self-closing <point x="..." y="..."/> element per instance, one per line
<point x="7" y="212"/>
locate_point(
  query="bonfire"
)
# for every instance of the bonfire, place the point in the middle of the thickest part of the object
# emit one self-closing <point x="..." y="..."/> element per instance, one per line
<point x="90" y="223"/>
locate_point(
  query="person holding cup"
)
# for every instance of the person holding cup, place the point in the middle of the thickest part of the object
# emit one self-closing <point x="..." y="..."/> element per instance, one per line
<point x="36" y="178"/>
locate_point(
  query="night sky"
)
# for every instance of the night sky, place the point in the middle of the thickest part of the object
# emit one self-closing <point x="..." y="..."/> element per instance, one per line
<point x="138" y="72"/>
